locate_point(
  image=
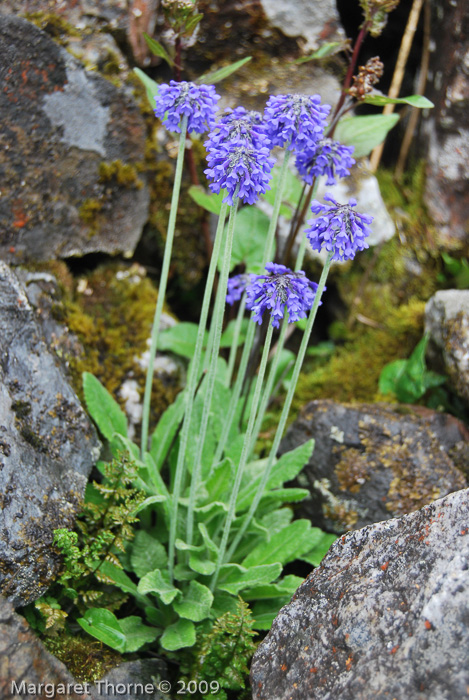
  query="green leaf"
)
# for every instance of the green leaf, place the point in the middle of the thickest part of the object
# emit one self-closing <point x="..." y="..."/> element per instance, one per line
<point x="148" y="502"/>
<point x="122" y="581"/>
<point x="220" y="482"/>
<point x="103" y="625"/>
<point x="227" y="337"/>
<point x="365" y="133"/>
<point x="285" y="546"/>
<point x="264" y="612"/>
<point x="235" y="578"/>
<point x="158" y="582"/>
<point x="196" y="602"/>
<point x="201" y="565"/>
<point x="157" y="49"/>
<point x="291" y="192"/>
<point x="324" y="541"/>
<point x="147" y="554"/>
<point x="104" y="410"/>
<point x="251" y="227"/>
<point x="180" y="339"/>
<point x="165" y="431"/>
<point x="284" y="495"/>
<point x="150" y="86"/>
<point x="136" y="633"/>
<point x="208" y="201"/>
<point x="414" y="100"/>
<point x="285" y="587"/>
<point x="222" y="73"/>
<point x="390" y="374"/>
<point x="323" y="51"/>
<point x="178" y="636"/>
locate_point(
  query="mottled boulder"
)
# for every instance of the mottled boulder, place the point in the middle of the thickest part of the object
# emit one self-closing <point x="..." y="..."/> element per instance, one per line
<point x="446" y="130"/>
<point x="71" y="147"/>
<point x="447" y="321"/>
<point x="384" y="616"/>
<point x="313" y="21"/>
<point x="23" y="659"/>
<point x="372" y="462"/>
<point x="47" y="448"/>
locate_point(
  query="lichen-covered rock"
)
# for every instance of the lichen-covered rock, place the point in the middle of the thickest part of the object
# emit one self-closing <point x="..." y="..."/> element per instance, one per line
<point x="26" y="666"/>
<point x="447" y="321"/>
<point x="47" y="449"/>
<point x="384" y="616"/>
<point x="314" y="21"/>
<point x="127" y="679"/>
<point x="446" y="131"/>
<point x="71" y="147"/>
<point x="372" y="462"/>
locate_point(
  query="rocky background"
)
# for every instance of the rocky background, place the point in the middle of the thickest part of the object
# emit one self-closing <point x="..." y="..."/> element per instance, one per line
<point x="86" y="174"/>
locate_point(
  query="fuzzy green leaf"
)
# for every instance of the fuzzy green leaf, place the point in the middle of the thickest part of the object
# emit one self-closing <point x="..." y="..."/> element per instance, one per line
<point x="151" y="500"/>
<point x="264" y="612"/>
<point x="284" y="496"/>
<point x="136" y="633"/>
<point x="122" y="581"/>
<point x="323" y="51"/>
<point x="209" y="202"/>
<point x="196" y="602"/>
<point x="157" y="49"/>
<point x="365" y="133"/>
<point x="165" y="431"/>
<point x="178" y="636"/>
<point x="180" y="339"/>
<point x="285" y="587"/>
<point x="220" y="482"/>
<point x="158" y="582"/>
<point x="414" y="100"/>
<point x="290" y="195"/>
<point x="235" y="578"/>
<point x="104" y="410"/>
<point x="285" y="546"/>
<point x="222" y="73"/>
<point x="150" y="86"/>
<point x="251" y="228"/>
<point x="226" y="339"/>
<point x="147" y="554"/>
<point x="322" y="544"/>
<point x="103" y="625"/>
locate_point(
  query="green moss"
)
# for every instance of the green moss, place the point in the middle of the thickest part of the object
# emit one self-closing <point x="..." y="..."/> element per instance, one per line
<point x="58" y="28"/>
<point x="123" y="174"/>
<point x="89" y="213"/>
<point x="87" y="660"/>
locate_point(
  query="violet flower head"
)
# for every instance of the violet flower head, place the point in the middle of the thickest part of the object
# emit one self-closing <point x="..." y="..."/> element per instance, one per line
<point x="328" y="157"/>
<point x="297" y="121"/>
<point x="339" y="229"/>
<point x="280" y="290"/>
<point x="238" y="125"/>
<point x="237" y="286"/>
<point x="240" y="169"/>
<point x="197" y="102"/>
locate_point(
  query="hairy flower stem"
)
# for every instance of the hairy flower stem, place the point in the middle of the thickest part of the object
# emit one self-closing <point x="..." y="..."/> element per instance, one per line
<point x="267" y="393"/>
<point x="244" y="457"/>
<point x="234" y="344"/>
<point x="285" y="410"/>
<point x="212" y="371"/>
<point x="162" y="286"/>
<point x="249" y="340"/>
<point x="191" y="388"/>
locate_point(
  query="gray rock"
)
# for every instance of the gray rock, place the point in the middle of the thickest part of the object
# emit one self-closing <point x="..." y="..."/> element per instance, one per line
<point x="314" y="21"/>
<point x="135" y="680"/>
<point x="446" y="131"/>
<point x="24" y="660"/>
<point x="384" y="616"/>
<point x="447" y="321"/>
<point x="372" y="462"/>
<point x="47" y="448"/>
<point x="61" y="127"/>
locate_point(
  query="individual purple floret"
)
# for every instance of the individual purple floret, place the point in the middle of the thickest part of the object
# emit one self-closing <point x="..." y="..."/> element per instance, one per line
<point x="240" y="169"/>
<point x="279" y="290"/>
<point x="237" y="285"/>
<point x="198" y="102"/>
<point x="328" y="157"/>
<point x="297" y="121"/>
<point x="338" y="229"/>
<point x="238" y="125"/>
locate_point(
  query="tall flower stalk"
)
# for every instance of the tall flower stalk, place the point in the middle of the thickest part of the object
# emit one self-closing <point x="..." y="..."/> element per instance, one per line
<point x="184" y="108"/>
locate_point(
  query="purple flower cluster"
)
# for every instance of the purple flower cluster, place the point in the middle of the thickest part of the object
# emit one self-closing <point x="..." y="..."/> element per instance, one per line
<point x="237" y="285"/>
<point x="197" y="102"/>
<point x="328" y="157"/>
<point x="241" y="126"/>
<point x="339" y="229"/>
<point x="279" y="290"/>
<point x="241" y="169"/>
<point x="297" y="121"/>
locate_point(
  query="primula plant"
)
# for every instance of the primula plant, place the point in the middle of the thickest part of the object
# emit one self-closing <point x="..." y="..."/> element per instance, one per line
<point x="214" y="527"/>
